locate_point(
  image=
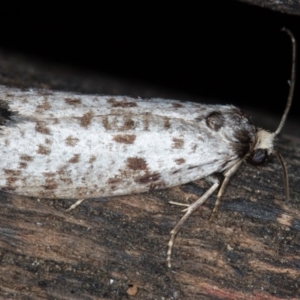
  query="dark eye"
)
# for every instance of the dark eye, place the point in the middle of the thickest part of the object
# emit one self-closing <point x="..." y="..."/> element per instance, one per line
<point x="258" y="157"/>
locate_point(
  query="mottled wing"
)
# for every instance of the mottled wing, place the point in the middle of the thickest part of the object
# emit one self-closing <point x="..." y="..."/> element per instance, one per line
<point x="61" y="145"/>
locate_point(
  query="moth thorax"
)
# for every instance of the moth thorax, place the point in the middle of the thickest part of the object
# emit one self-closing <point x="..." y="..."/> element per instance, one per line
<point x="263" y="147"/>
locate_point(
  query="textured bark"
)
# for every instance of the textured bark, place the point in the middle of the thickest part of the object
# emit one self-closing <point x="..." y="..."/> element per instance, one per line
<point x="285" y="6"/>
<point x="108" y="247"/>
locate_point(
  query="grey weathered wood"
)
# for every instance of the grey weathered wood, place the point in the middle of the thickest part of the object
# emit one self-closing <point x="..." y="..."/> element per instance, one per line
<point x="108" y="245"/>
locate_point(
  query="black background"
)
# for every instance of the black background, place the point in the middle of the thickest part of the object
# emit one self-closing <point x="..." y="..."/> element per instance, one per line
<point x="227" y="50"/>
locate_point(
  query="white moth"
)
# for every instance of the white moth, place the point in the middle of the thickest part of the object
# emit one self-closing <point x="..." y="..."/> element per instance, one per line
<point x="66" y="145"/>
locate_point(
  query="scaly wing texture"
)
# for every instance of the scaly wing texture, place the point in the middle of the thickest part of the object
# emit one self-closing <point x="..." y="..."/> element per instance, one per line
<point x="61" y="145"/>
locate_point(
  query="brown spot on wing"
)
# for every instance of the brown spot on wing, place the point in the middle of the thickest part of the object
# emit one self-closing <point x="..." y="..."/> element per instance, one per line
<point x="60" y="172"/>
<point x="86" y="119"/>
<point x="10" y="172"/>
<point x="114" y="180"/>
<point x="63" y="176"/>
<point x="43" y="150"/>
<point x="10" y="183"/>
<point x="178" y="143"/>
<point x="23" y="165"/>
<point x="43" y="106"/>
<point x="42" y="128"/>
<point x="92" y="159"/>
<point x="115" y="123"/>
<point x="26" y="157"/>
<point x="73" y="101"/>
<point x="105" y="123"/>
<point x="124" y="138"/>
<point x="50" y="184"/>
<point x="74" y="159"/>
<point x="167" y="124"/>
<point x="148" y="178"/>
<point x="123" y="103"/>
<point x="128" y="124"/>
<point x="179" y="161"/>
<point x="71" y="141"/>
<point x="136" y="163"/>
<point x="215" y="120"/>
<point x="11" y="177"/>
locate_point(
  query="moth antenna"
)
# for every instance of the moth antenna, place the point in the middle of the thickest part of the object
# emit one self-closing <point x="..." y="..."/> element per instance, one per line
<point x="285" y="174"/>
<point x="286" y="111"/>
<point x="291" y="82"/>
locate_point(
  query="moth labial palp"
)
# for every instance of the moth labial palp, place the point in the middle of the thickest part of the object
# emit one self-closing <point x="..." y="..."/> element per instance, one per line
<point x="259" y="150"/>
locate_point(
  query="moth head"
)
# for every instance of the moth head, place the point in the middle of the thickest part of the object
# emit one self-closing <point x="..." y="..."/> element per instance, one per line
<point x="263" y="147"/>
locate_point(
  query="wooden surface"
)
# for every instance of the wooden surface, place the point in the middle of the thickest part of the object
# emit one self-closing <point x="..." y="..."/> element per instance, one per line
<point x="115" y="248"/>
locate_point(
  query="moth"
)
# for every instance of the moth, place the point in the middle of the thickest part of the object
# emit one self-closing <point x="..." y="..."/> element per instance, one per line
<point x="66" y="145"/>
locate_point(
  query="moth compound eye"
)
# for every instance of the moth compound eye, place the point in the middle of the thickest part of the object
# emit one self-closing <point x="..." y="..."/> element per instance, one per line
<point x="258" y="157"/>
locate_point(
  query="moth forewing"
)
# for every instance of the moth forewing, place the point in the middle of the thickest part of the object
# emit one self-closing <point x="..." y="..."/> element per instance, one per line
<point x="127" y="151"/>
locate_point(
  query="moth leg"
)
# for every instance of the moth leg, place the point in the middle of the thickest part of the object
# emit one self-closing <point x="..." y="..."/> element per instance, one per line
<point x="285" y="174"/>
<point x="73" y="206"/>
<point x="179" y="203"/>
<point x="211" y="179"/>
<point x="227" y="176"/>
<point x="189" y="211"/>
